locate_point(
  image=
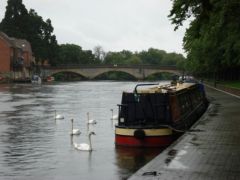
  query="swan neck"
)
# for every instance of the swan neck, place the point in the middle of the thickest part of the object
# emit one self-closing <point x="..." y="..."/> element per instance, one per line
<point x="90" y="142"/>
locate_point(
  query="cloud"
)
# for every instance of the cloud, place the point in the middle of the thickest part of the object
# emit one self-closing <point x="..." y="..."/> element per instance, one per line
<point x="113" y="24"/>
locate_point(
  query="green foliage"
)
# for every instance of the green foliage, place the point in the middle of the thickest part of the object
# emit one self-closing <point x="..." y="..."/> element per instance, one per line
<point x="40" y="35"/>
<point x="14" y="21"/>
<point x="152" y="56"/>
<point x="212" y="41"/>
<point x="134" y="59"/>
<point x="233" y="84"/>
<point x="121" y="57"/>
<point x="20" y="23"/>
<point x="73" y="54"/>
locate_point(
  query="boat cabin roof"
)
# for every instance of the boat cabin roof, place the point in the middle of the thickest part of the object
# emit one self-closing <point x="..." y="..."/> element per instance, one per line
<point x="166" y="88"/>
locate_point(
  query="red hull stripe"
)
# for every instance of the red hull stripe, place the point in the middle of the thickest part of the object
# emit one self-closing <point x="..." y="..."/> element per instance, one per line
<point x="153" y="141"/>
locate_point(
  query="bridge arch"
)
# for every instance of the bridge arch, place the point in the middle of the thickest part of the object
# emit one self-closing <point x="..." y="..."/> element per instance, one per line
<point x="121" y="74"/>
<point x="137" y="71"/>
<point x="173" y="72"/>
<point x="123" y="70"/>
<point x="54" y="73"/>
<point x="93" y="73"/>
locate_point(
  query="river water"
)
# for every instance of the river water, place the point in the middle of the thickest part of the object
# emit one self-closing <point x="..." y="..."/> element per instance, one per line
<point x="33" y="145"/>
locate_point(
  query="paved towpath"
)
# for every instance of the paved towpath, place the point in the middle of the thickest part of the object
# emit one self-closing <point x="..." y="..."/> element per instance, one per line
<point x="210" y="150"/>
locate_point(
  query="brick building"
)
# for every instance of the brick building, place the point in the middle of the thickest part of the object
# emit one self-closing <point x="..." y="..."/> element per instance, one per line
<point x="15" y="57"/>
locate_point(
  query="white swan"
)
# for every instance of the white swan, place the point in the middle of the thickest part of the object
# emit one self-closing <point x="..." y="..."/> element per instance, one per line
<point x="90" y="121"/>
<point x="74" y="131"/>
<point x="58" y="116"/>
<point x="84" y="146"/>
<point x="114" y="117"/>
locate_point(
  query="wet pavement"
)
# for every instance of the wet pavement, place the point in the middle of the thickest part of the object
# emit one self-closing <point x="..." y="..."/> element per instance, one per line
<point x="210" y="150"/>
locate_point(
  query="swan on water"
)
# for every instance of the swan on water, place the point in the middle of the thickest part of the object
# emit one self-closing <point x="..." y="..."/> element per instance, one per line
<point x="84" y="146"/>
<point x="90" y="121"/>
<point x="58" y="116"/>
<point x="114" y="117"/>
<point x="74" y="131"/>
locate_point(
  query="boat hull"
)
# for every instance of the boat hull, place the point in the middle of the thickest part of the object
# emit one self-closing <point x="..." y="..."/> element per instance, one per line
<point x="143" y="137"/>
<point x="148" y="116"/>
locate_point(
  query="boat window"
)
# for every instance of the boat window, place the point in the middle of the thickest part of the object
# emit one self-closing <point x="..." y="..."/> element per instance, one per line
<point x="148" y="109"/>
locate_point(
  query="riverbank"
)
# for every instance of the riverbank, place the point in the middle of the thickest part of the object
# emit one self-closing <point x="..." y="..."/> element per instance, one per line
<point x="210" y="150"/>
<point x="230" y="87"/>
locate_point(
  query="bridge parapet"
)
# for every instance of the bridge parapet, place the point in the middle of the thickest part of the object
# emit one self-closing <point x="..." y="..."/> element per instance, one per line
<point x="91" y="71"/>
<point x="145" y="66"/>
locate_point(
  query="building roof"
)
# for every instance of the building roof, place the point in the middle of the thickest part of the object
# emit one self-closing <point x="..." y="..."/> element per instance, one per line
<point x="6" y="38"/>
<point x="16" y="43"/>
<point x="22" y="44"/>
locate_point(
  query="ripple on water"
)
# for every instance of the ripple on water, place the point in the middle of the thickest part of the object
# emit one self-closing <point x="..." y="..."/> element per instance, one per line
<point x="34" y="146"/>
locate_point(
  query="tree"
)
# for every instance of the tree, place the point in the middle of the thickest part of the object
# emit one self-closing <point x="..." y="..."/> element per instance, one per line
<point x="73" y="54"/>
<point x="152" y="56"/>
<point x="40" y="35"/>
<point x="99" y="53"/>
<point x="113" y="58"/>
<point x="14" y="22"/>
<point x="69" y="54"/>
<point x="89" y="58"/>
<point x="20" y="23"/>
<point x="134" y="59"/>
<point x="212" y="40"/>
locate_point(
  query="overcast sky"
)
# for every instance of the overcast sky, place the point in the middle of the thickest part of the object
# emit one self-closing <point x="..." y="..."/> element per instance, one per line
<point x="113" y="24"/>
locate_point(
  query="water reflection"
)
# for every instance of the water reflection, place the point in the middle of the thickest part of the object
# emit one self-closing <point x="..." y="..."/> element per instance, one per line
<point x="129" y="160"/>
<point x="25" y="136"/>
<point x="25" y="142"/>
<point x="35" y="145"/>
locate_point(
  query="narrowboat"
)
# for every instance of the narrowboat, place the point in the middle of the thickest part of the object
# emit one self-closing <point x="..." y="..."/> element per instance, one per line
<point x="153" y="115"/>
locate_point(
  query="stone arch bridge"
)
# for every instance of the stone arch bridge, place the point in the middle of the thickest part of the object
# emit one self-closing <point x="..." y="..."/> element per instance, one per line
<point x="92" y="71"/>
